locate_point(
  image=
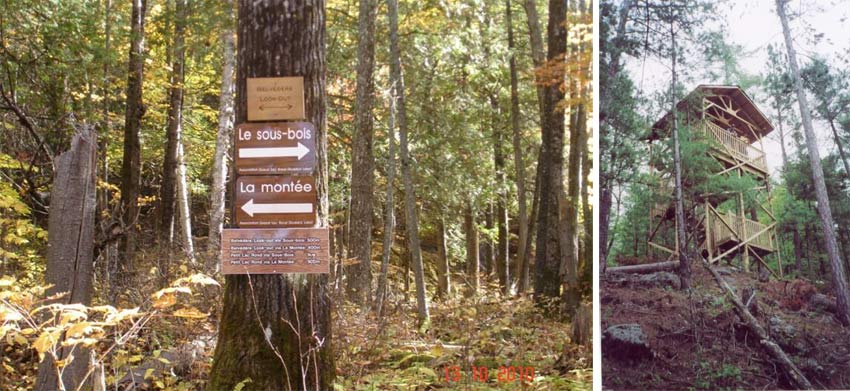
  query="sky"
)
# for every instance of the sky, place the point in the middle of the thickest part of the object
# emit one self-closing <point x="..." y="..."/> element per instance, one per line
<point x="753" y="24"/>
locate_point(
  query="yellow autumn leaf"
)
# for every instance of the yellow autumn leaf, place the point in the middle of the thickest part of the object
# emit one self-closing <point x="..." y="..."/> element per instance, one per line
<point x="46" y="341"/>
<point x="165" y="301"/>
<point x="19" y="339"/>
<point x="171" y="291"/>
<point x="79" y="341"/>
<point x="122" y="315"/>
<point x="9" y="315"/>
<point x="79" y="329"/>
<point x="62" y="363"/>
<point x="190" y="312"/>
<point x="7" y="281"/>
<point x="74" y="315"/>
<point x="199" y="279"/>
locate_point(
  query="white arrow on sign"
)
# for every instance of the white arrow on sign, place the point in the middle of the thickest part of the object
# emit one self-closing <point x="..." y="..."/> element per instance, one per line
<point x="297" y="151"/>
<point x="251" y="208"/>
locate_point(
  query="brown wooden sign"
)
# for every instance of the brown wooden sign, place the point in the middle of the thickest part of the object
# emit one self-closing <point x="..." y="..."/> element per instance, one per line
<point x="278" y="201"/>
<point x="275" y="251"/>
<point x="275" y="148"/>
<point x="275" y="98"/>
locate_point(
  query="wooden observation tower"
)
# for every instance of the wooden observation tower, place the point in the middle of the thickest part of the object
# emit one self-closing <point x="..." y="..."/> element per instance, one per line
<point x="719" y="224"/>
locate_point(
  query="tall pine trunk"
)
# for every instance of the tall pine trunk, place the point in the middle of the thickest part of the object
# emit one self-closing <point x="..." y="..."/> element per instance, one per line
<point x="551" y="164"/>
<point x="131" y="165"/>
<point x="276" y="329"/>
<point x="410" y="212"/>
<point x="473" y="264"/>
<point x="222" y="142"/>
<point x="359" y="275"/>
<point x="389" y="215"/>
<point x="519" y="165"/>
<point x="443" y="270"/>
<point x="839" y="277"/>
<point x="682" y="244"/>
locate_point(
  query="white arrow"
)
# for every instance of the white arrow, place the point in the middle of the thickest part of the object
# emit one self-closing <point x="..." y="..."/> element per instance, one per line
<point x="250" y="208"/>
<point x="297" y="151"/>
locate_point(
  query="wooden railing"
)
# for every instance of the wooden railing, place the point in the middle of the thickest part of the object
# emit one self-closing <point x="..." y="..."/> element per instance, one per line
<point x="734" y="145"/>
<point x="743" y="229"/>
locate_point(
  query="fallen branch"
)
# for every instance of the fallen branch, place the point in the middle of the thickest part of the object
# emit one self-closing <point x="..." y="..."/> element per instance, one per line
<point x="644" y="268"/>
<point x="797" y="377"/>
<point x="823" y="301"/>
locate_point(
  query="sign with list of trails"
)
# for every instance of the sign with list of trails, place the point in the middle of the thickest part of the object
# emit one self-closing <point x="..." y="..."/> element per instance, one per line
<point x="275" y="148"/>
<point x="275" y="98"/>
<point x="271" y="251"/>
<point x="276" y="201"/>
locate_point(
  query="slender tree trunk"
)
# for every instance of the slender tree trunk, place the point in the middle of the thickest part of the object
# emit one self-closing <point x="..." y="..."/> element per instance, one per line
<point x="569" y="225"/>
<point x="519" y="165"/>
<point x="168" y="189"/>
<point x="551" y="163"/>
<point x="472" y="261"/>
<point x="488" y="249"/>
<point x="71" y="248"/>
<point x="798" y="250"/>
<point x="538" y="56"/>
<point x="222" y="143"/>
<point x="359" y="275"/>
<point x="502" y="263"/>
<point x="839" y="277"/>
<point x="389" y="217"/>
<point x="443" y="271"/>
<point x="276" y="329"/>
<point x="840" y="147"/>
<point x="184" y="205"/>
<point x="131" y="165"/>
<point x="407" y="169"/>
<point x="682" y="243"/>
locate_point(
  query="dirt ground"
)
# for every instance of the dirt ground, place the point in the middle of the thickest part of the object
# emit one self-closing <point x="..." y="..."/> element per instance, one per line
<point x="697" y="341"/>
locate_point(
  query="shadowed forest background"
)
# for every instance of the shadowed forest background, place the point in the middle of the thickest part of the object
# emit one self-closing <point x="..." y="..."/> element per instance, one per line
<point x="456" y="164"/>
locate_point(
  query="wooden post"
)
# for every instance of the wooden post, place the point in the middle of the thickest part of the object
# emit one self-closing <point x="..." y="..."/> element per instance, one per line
<point x="70" y="248"/>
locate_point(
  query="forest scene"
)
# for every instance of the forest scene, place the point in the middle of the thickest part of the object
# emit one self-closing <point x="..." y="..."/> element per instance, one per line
<point x="453" y="163"/>
<point x="724" y="194"/>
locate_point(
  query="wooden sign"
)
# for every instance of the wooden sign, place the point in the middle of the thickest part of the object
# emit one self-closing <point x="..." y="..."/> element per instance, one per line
<point x="275" y="148"/>
<point x="275" y="251"/>
<point x="275" y="98"/>
<point x="276" y="201"/>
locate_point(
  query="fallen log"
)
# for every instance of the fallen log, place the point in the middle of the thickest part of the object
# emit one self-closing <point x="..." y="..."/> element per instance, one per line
<point x="797" y="378"/>
<point x="644" y="268"/>
<point x="823" y="301"/>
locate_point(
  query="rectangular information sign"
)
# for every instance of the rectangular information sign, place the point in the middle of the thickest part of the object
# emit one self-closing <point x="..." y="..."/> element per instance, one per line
<point x="275" y="148"/>
<point x="276" y="201"/>
<point x="275" y="98"/>
<point x="275" y="251"/>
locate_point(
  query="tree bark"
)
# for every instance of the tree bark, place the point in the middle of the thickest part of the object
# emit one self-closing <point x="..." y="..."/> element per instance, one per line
<point x="839" y="276"/>
<point x="131" y="165"/>
<point x="184" y="205"/>
<point x="70" y="248"/>
<point x="359" y="275"/>
<point x="411" y="215"/>
<point x="168" y="188"/>
<point x="443" y="271"/>
<point x="472" y="262"/>
<point x="389" y="209"/>
<point x="502" y="262"/>
<point x="519" y="165"/>
<point x="550" y="163"/>
<point x="222" y="142"/>
<point x="681" y="238"/>
<point x="276" y="329"/>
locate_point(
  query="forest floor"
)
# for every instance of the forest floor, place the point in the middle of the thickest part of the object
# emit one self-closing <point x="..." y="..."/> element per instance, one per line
<point x="510" y="337"/>
<point x="696" y="341"/>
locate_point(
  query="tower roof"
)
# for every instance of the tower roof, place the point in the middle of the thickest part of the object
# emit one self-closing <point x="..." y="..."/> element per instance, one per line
<point x="727" y="106"/>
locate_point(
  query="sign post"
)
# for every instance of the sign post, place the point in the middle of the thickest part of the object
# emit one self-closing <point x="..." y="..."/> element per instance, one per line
<point x="275" y="196"/>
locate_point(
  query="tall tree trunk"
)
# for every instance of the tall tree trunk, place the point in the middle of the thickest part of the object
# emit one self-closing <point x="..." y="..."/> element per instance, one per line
<point x="410" y="213"/>
<point x="473" y="266"/>
<point x="70" y="247"/>
<point x="551" y="163"/>
<point x="524" y="276"/>
<point x="389" y="216"/>
<point x="606" y="183"/>
<point x="519" y="165"/>
<point x="184" y="205"/>
<point x="168" y="189"/>
<point x="276" y="329"/>
<point x="681" y="238"/>
<point x="538" y="56"/>
<point x="488" y="249"/>
<point x="222" y="142"/>
<point x="839" y="277"/>
<point x="503" y="266"/>
<point x="443" y="271"/>
<point x="131" y="166"/>
<point x="798" y="250"/>
<point x="359" y="275"/>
